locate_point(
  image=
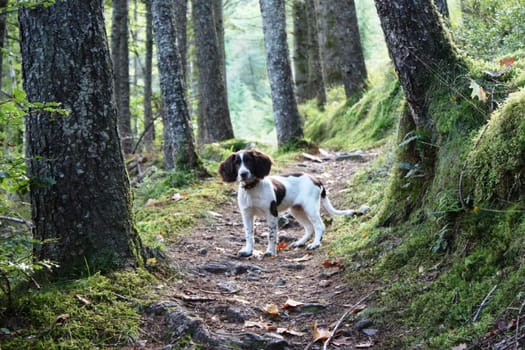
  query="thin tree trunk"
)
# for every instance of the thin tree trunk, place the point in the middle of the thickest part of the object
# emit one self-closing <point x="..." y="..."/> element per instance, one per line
<point x="179" y="146"/>
<point x="3" y="26"/>
<point x="214" y="115"/>
<point x="352" y="60"/>
<point x="287" y="119"/>
<point x="328" y="45"/>
<point x="300" y="57"/>
<point x="120" y="56"/>
<point x="149" y="126"/>
<point x="80" y="195"/>
<point x="181" y="22"/>
<point x="315" y="71"/>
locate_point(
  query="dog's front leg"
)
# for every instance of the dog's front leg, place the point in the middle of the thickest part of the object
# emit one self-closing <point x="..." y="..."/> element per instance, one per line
<point x="247" y="220"/>
<point x="273" y="236"/>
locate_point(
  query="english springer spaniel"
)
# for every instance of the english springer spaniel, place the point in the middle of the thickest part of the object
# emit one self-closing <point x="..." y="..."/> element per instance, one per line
<point x="266" y="196"/>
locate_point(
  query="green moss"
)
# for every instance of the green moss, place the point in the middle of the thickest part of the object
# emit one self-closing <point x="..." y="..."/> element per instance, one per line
<point x="94" y="312"/>
<point x="496" y="165"/>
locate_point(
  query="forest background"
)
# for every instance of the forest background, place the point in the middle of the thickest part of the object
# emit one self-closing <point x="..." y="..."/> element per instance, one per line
<point x="484" y="250"/>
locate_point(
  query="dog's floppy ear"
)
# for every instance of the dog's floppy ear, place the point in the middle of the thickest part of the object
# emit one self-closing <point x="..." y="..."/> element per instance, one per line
<point x="263" y="164"/>
<point x="227" y="169"/>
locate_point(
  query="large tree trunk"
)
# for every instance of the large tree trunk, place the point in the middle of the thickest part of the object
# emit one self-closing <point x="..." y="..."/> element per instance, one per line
<point x="149" y="131"/>
<point x="214" y="116"/>
<point x="352" y="60"/>
<point x="179" y="146"/>
<point x="120" y="57"/>
<point x="419" y="48"/>
<point x="287" y="119"/>
<point x="80" y="195"/>
<point x="442" y="7"/>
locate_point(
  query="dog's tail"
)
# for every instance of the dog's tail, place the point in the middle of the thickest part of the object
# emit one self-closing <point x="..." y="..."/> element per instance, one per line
<point x="346" y="212"/>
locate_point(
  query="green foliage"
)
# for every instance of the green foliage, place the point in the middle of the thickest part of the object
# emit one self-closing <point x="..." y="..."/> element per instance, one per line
<point x="491" y="28"/>
<point x="361" y="122"/>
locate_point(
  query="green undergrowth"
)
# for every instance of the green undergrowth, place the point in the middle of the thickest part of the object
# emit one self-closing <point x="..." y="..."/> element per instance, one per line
<point x="90" y="313"/>
<point x="362" y="121"/>
<point x="460" y="241"/>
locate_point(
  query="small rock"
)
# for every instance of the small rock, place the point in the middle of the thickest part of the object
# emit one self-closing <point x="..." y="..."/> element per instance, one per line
<point x="203" y="251"/>
<point x="362" y="324"/>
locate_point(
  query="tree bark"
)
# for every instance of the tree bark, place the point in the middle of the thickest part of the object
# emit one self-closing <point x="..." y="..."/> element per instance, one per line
<point x="287" y="119"/>
<point x="352" y="60"/>
<point x="80" y="195"/>
<point x="3" y="26"/>
<point x="120" y="57"/>
<point x="328" y="44"/>
<point x="149" y="132"/>
<point x="179" y="146"/>
<point x="300" y="57"/>
<point x="181" y="22"/>
<point x="214" y="115"/>
<point x="419" y="48"/>
<point x="442" y="7"/>
<point x="316" y="80"/>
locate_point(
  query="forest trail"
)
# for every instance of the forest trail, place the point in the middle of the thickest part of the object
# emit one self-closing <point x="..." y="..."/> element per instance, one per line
<point x="284" y="302"/>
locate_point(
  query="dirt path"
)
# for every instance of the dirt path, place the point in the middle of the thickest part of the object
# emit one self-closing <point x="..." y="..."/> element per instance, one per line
<point x="225" y="301"/>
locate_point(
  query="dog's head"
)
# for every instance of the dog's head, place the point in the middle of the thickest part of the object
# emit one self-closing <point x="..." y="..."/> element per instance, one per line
<point x="245" y="166"/>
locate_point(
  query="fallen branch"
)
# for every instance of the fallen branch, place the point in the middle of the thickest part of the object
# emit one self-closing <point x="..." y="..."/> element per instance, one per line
<point x="17" y="220"/>
<point x="483" y="303"/>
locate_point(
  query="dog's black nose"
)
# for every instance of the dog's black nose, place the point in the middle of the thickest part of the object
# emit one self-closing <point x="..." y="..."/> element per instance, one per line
<point x="244" y="174"/>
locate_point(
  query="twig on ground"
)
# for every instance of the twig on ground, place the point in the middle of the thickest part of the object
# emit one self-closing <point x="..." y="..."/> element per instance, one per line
<point x="29" y="224"/>
<point x="517" y="338"/>
<point x="345" y="315"/>
<point x="483" y="303"/>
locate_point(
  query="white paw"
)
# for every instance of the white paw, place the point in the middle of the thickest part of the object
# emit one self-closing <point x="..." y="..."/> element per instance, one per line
<point x="297" y="244"/>
<point x="313" y="246"/>
<point x="269" y="253"/>
<point x="245" y="252"/>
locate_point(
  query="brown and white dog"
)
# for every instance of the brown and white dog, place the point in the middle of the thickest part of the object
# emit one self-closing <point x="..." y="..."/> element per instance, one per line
<point x="262" y="195"/>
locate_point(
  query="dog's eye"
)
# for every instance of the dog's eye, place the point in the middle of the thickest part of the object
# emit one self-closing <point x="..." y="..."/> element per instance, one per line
<point x="237" y="160"/>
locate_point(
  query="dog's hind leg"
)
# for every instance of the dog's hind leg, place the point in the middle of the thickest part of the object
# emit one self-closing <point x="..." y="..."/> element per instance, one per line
<point x="319" y="228"/>
<point x="304" y="220"/>
<point x="247" y="219"/>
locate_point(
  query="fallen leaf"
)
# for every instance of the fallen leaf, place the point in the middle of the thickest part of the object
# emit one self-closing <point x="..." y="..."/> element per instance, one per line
<point x="290" y="332"/>
<point x="61" y="319"/>
<point x="321" y="334"/>
<point x="151" y="262"/>
<point x="271" y="309"/>
<point x="478" y="91"/>
<point x="82" y="299"/>
<point x="507" y="61"/>
<point x="358" y="309"/>
<point x="282" y="245"/>
<point x="460" y="347"/>
<point x="177" y="196"/>
<point x="292" y="304"/>
<point x="301" y="259"/>
<point x="334" y="263"/>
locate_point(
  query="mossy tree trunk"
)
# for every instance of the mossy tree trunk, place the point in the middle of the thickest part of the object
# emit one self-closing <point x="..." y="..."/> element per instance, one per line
<point x="3" y="26"/>
<point x="214" y="115"/>
<point x="179" y="144"/>
<point x="315" y="70"/>
<point x="287" y="119"/>
<point x="423" y="56"/>
<point x="80" y="195"/>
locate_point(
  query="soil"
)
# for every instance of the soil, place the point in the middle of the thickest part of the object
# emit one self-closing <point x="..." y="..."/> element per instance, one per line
<point x="222" y="301"/>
